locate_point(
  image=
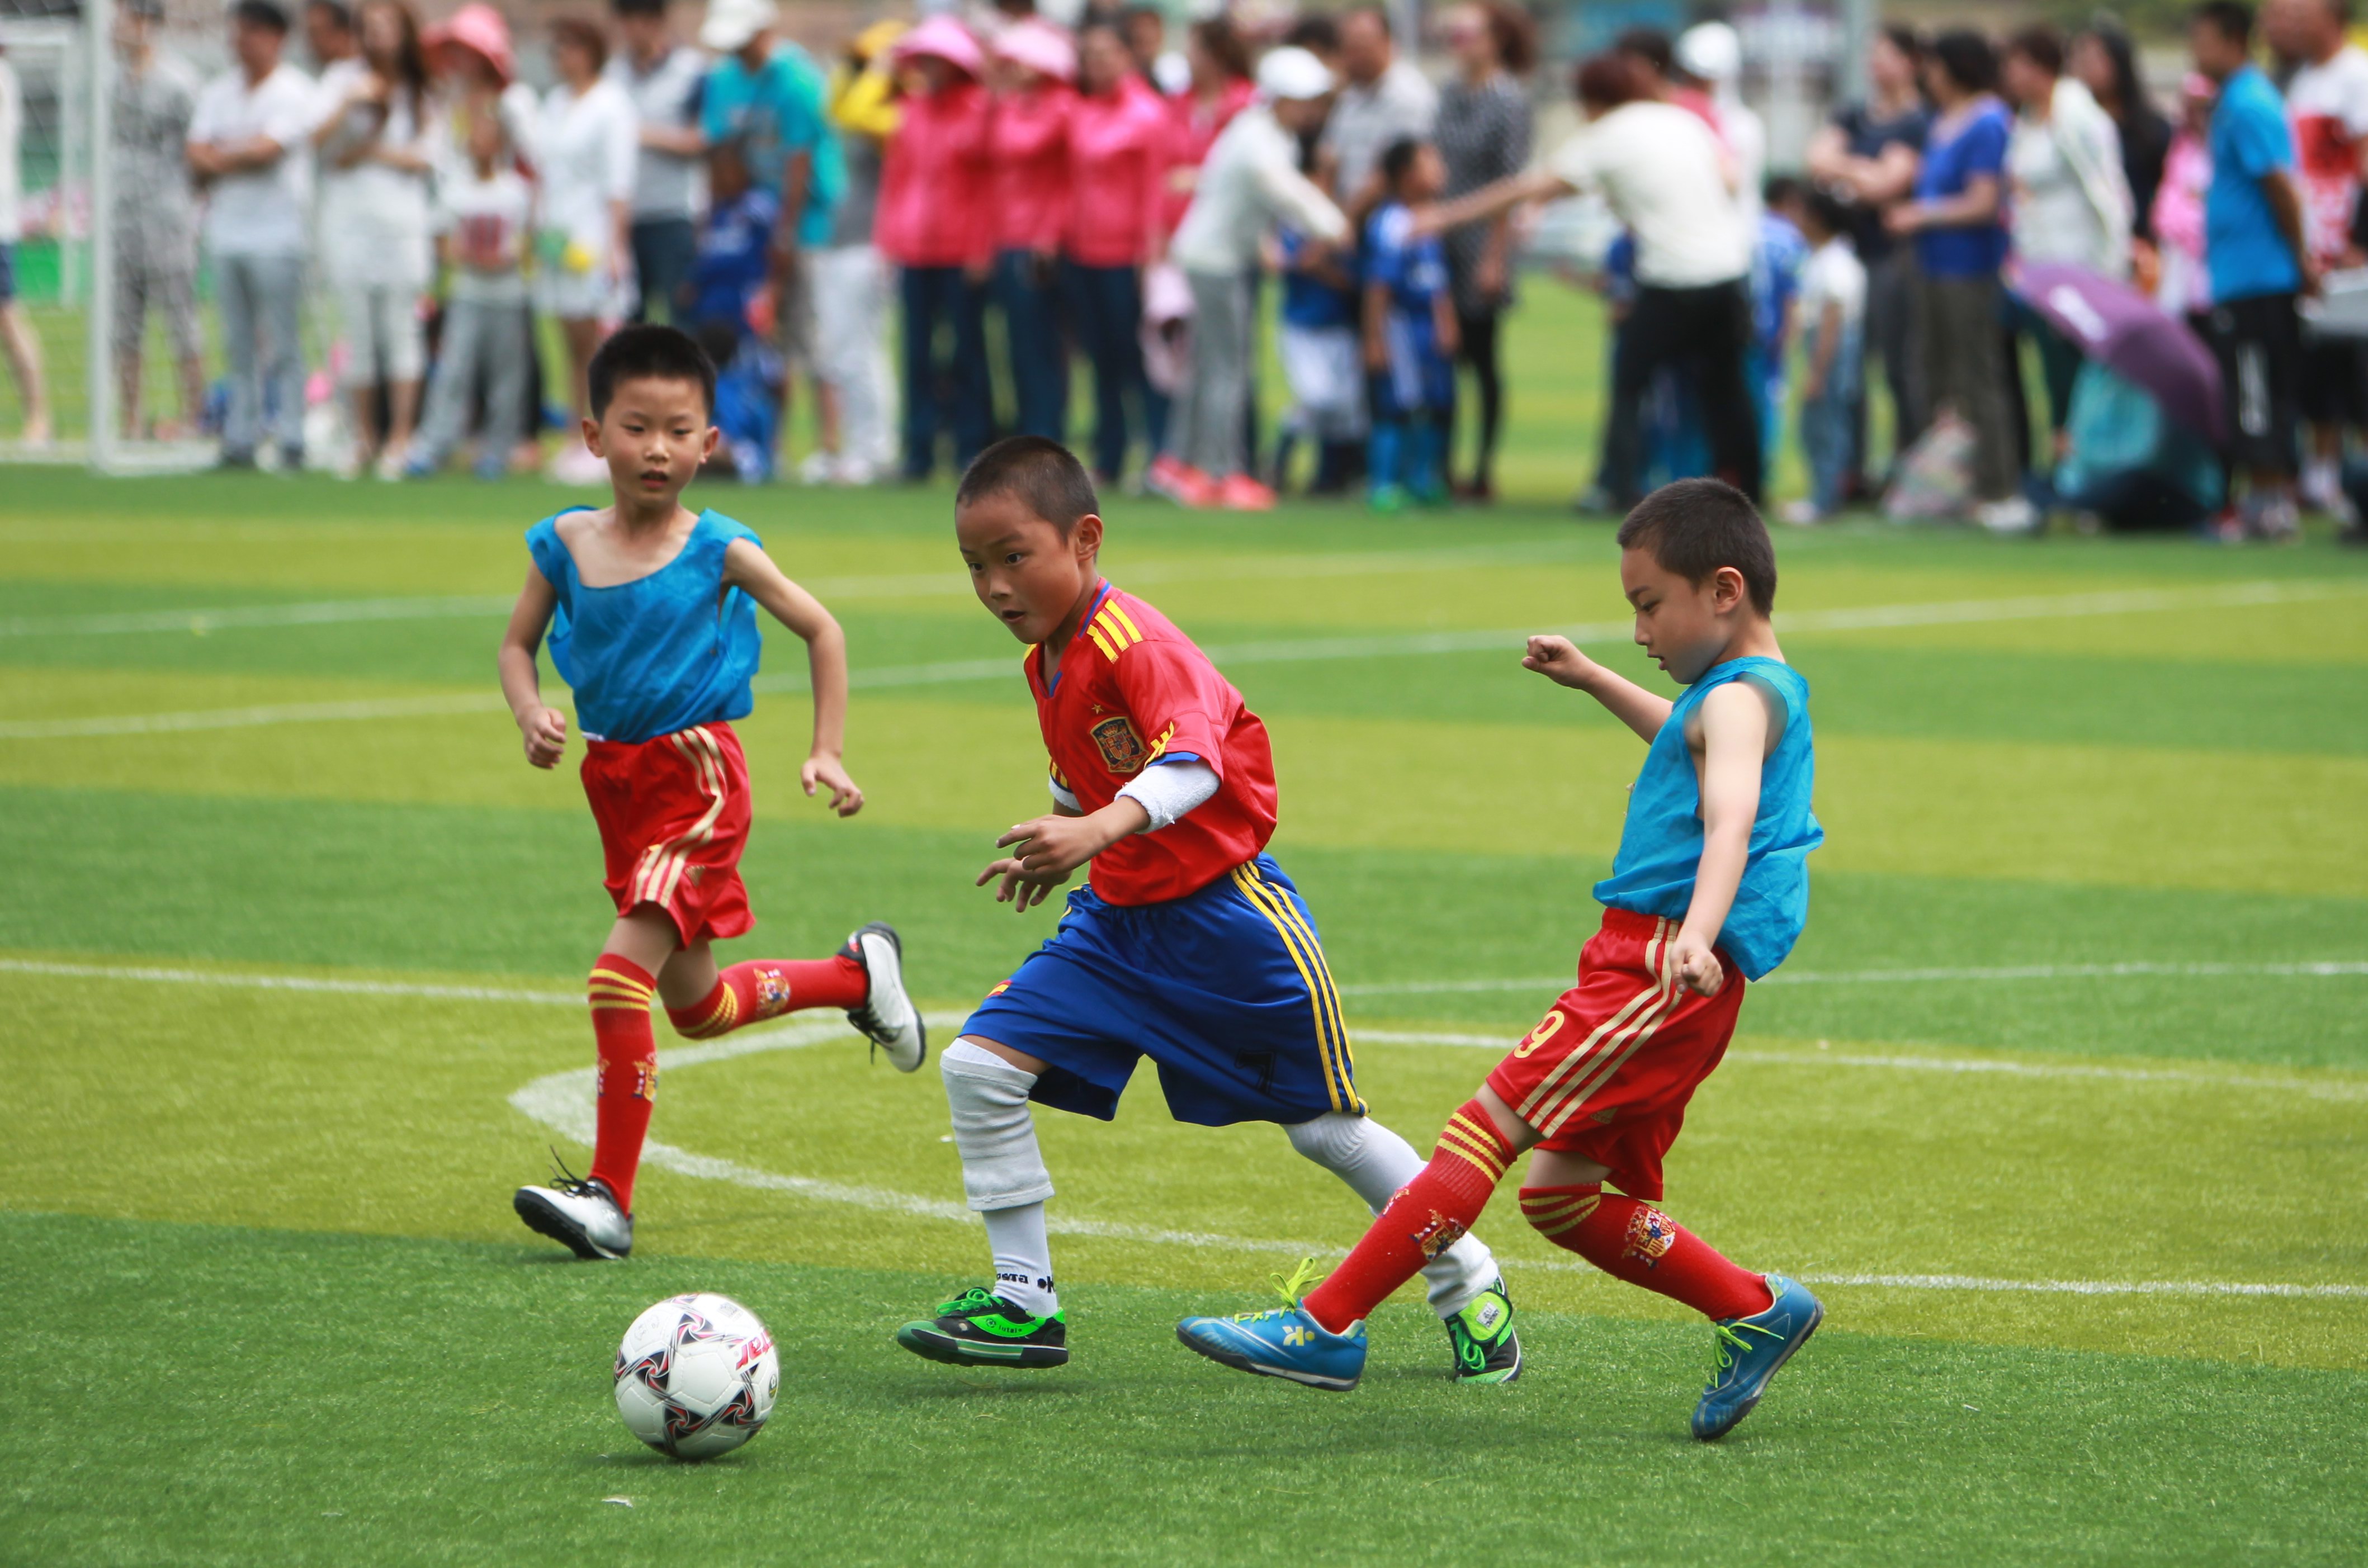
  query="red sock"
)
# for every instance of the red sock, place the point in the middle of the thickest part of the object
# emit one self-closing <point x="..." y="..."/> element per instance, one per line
<point x="766" y="988"/>
<point x="628" y="1073"/>
<point x="1635" y="1241"/>
<point x="1429" y="1214"/>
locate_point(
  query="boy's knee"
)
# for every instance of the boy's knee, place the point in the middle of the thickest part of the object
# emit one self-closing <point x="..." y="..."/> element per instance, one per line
<point x="993" y="1132"/>
<point x="1331" y="1140"/>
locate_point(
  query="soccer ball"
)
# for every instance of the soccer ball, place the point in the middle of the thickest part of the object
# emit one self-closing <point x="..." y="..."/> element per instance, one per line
<point x="696" y="1376"/>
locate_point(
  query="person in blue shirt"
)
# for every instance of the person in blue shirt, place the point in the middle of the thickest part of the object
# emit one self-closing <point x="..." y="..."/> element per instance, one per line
<point x="1777" y="257"/>
<point x="1710" y="889"/>
<point x="728" y="303"/>
<point x="1318" y="347"/>
<point x="1410" y="335"/>
<point x="2259" y="264"/>
<point x="651" y="610"/>
<point x="1957" y="216"/>
<point x="770" y="93"/>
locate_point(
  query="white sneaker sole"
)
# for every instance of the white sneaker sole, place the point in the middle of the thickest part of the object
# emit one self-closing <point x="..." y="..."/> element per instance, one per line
<point x="910" y="1047"/>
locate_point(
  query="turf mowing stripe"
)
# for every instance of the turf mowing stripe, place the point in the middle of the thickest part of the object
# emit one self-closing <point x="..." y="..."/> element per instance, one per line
<point x="2329" y="968"/>
<point x="323" y="613"/>
<point x="946" y="672"/>
<point x="564" y="1102"/>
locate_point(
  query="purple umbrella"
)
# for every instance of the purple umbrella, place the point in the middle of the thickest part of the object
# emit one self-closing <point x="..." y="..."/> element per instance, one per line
<point x="2130" y="335"/>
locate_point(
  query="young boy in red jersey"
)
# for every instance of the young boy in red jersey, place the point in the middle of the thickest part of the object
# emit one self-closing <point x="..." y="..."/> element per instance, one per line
<point x="651" y="609"/>
<point x="1709" y="888"/>
<point x="1188" y="945"/>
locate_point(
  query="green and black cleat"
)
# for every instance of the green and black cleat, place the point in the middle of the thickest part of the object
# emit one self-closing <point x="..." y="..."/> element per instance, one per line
<point x="1487" y="1348"/>
<point x="979" y="1328"/>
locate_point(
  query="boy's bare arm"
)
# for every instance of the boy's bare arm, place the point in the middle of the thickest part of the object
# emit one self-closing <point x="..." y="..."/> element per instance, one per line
<point x="1377" y="311"/>
<point x="1735" y="744"/>
<point x="543" y="727"/>
<point x="1559" y="660"/>
<point x="749" y="569"/>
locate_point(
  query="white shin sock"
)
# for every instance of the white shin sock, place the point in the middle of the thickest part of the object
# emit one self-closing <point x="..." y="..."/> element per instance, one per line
<point x="1003" y="1170"/>
<point x="1375" y="1163"/>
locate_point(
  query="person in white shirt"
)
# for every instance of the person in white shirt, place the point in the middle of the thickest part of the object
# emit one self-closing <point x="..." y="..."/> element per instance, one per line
<point x="1712" y="54"/>
<point x="1250" y="181"/>
<point x="1665" y="175"/>
<point x="2327" y="99"/>
<point x="378" y="142"/>
<point x="1831" y="310"/>
<point x="663" y="80"/>
<point x="247" y="148"/>
<point x="485" y="212"/>
<point x="586" y="151"/>
<point x="155" y="220"/>
<point x="17" y="339"/>
<point x="1384" y="100"/>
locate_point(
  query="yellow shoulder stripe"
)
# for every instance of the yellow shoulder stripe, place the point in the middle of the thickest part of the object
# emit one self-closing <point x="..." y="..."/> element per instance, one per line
<point x="1114" y="607"/>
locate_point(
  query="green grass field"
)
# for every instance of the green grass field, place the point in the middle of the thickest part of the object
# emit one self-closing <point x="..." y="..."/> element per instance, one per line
<point x="2060" y="1102"/>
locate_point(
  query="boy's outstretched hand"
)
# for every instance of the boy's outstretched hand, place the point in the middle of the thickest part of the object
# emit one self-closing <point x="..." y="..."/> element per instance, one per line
<point x="1699" y="969"/>
<point x="1559" y="660"/>
<point x="829" y="772"/>
<point x="1048" y="847"/>
<point x="545" y="733"/>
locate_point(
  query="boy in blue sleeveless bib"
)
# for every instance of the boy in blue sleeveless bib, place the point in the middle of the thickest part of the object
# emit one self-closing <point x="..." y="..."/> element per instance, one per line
<point x="651" y="611"/>
<point x="1708" y="889"/>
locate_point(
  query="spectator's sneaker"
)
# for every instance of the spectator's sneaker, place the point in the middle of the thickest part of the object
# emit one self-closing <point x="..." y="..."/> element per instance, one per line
<point x="1281" y="1342"/>
<point x="390" y="465"/>
<point x="2277" y="521"/>
<point x="1487" y="1348"/>
<point x="979" y="1328"/>
<point x="582" y="1215"/>
<point x="490" y="467"/>
<point x="1802" y="514"/>
<point x="820" y="468"/>
<point x="1747" y="1352"/>
<point x="1240" y="492"/>
<point x="1389" y="498"/>
<point x="887" y="1017"/>
<point x="234" y="463"/>
<point x="2223" y="526"/>
<point x="1182" y="483"/>
<point x="2013" y="515"/>
<point x="2322" y="487"/>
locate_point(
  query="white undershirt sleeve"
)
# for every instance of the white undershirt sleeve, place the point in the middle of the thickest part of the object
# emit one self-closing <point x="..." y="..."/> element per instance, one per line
<point x="1063" y="795"/>
<point x="1171" y="790"/>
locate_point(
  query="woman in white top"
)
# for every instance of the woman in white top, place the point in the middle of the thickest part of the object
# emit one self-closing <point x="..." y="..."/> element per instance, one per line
<point x="1664" y="173"/>
<point x="2070" y="199"/>
<point x="587" y="146"/>
<point x="377" y="145"/>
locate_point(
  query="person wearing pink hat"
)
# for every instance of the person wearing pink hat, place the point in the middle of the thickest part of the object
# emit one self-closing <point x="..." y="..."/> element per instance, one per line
<point x="935" y="225"/>
<point x="1034" y="66"/>
<point x="1116" y="225"/>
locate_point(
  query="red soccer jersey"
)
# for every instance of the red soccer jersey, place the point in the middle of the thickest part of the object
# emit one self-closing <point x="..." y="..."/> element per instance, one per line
<point x="1131" y="689"/>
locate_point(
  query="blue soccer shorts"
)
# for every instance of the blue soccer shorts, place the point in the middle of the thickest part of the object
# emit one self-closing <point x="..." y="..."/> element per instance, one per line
<point x="1226" y="989"/>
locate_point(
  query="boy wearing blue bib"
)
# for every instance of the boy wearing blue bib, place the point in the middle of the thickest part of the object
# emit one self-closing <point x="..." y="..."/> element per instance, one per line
<point x="651" y="609"/>
<point x="1708" y="889"/>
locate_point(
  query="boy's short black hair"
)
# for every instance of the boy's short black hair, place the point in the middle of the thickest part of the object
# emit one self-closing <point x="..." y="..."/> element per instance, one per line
<point x="648" y="352"/>
<point x="638" y="8"/>
<point x="271" y="19"/>
<point x="1969" y="59"/>
<point x="1696" y="526"/>
<point x="1827" y="210"/>
<point x="1779" y="190"/>
<point x="1040" y="471"/>
<point x="2232" y="19"/>
<point x="1398" y="158"/>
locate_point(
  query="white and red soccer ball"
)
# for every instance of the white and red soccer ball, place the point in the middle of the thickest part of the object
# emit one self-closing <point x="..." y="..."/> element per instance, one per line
<point x="697" y="1376"/>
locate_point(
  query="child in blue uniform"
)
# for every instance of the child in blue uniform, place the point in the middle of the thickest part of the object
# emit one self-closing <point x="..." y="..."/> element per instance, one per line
<point x="1410" y="335"/>
<point x="651" y="611"/>
<point x="1710" y="889"/>
<point x="1318" y="347"/>
<point x="1188" y="946"/>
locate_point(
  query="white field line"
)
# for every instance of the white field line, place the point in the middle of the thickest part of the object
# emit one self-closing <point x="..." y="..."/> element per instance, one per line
<point x="562" y="1102"/>
<point x="328" y="612"/>
<point x="2328" y="969"/>
<point x="954" y="671"/>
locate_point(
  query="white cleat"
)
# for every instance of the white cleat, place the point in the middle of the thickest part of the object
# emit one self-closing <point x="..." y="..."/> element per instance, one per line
<point x="887" y="1017"/>
<point x="581" y="1215"/>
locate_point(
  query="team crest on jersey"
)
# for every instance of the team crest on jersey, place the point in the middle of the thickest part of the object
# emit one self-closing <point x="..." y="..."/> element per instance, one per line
<point x="1650" y="1232"/>
<point x="1121" y="748"/>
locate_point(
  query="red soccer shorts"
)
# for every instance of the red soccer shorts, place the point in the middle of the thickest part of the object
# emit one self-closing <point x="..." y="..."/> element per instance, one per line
<point x="1607" y="1072"/>
<point x="674" y="817"/>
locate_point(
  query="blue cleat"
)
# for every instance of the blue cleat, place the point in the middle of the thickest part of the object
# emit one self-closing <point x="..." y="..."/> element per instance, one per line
<point x="1749" y="1351"/>
<point x="1282" y="1342"/>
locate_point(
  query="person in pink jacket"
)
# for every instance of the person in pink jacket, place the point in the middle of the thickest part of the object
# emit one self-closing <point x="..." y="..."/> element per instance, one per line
<point x="1034" y="66"/>
<point x="1117" y="148"/>
<point x="1221" y="89"/>
<point x="935" y="224"/>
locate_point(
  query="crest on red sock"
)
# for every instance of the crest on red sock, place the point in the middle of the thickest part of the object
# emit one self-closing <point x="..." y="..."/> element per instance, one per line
<point x="1437" y="1234"/>
<point x="1650" y="1233"/>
